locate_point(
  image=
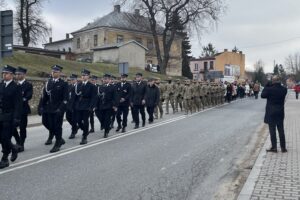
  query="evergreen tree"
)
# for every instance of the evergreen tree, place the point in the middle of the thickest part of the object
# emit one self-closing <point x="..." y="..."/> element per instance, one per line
<point x="276" y="70"/>
<point x="186" y="51"/>
<point x="209" y="50"/>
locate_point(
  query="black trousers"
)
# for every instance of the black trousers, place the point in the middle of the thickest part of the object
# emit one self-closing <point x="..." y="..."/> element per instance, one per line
<point x="71" y="118"/>
<point x="297" y="95"/>
<point x="122" y="115"/>
<point x="82" y="119"/>
<point x="280" y="128"/>
<point x="22" y="135"/>
<point x="98" y="115"/>
<point x="46" y="124"/>
<point x="6" y="128"/>
<point x="135" y="112"/>
<point x="105" y="117"/>
<point x="55" y="122"/>
<point x="92" y="120"/>
<point x="150" y="111"/>
<point x="256" y="94"/>
<point x="113" y="117"/>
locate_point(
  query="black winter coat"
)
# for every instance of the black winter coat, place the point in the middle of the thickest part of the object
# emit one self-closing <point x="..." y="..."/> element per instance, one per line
<point x="152" y="96"/>
<point x="275" y="96"/>
<point x="85" y="98"/>
<point x="123" y="90"/>
<point x="26" y="89"/>
<point x="106" y="97"/>
<point x="138" y="93"/>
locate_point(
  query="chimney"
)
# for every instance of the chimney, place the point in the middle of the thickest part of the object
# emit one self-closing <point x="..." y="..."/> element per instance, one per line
<point x="137" y="12"/>
<point x="67" y="36"/>
<point x="117" y="8"/>
<point x="50" y="39"/>
<point x="225" y="50"/>
<point x="241" y="52"/>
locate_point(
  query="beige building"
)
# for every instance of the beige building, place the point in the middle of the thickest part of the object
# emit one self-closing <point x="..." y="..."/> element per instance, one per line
<point x="231" y="64"/>
<point x="119" y="27"/>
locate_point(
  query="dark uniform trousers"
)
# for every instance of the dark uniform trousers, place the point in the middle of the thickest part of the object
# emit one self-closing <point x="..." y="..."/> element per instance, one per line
<point x="55" y="122"/>
<point x="136" y="110"/>
<point x="122" y="115"/>
<point x="92" y="121"/>
<point x="150" y="111"/>
<point x="6" y="128"/>
<point x="82" y="118"/>
<point x="71" y="118"/>
<point x="23" y="132"/>
<point x="105" y="118"/>
<point x="280" y="128"/>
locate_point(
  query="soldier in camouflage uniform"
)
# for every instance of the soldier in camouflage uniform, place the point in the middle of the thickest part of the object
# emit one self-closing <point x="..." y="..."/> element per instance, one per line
<point x="209" y="94"/>
<point x="213" y="94"/>
<point x="159" y="108"/>
<point x="169" y="95"/>
<point x="223" y="88"/>
<point x="202" y="94"/>
<point x="178" y="95"/>
<point x="187" y="97"/>
<point x="196" y="94"/>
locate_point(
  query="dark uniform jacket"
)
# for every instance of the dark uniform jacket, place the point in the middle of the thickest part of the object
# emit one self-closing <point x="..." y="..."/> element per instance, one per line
<point x="55" y="96"/>
<point x="275" y="96"/>
<point x="152" y="96"/>
<point x="10" y="101"/>
<point x="71" y="98"/>
<point x="123" y="90"/>
<point x="106" y="97"/>
<point x="85" y="96"/>
<point x="138" y="93"/>
<point x="26" y="89"/>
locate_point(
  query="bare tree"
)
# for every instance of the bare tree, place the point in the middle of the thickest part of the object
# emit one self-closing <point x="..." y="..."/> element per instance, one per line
<point x="2" y="4"/>
<point x="292" y="63"/>
<point x="30" y="25"/>
<point x="175" y="16"/>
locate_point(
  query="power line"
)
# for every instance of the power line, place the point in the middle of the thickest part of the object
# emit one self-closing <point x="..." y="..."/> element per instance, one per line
<point x="271" y="43"/>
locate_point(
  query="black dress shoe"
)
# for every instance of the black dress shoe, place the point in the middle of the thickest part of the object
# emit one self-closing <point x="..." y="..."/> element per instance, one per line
<point x="136" y="126"/>
<point x="14" y="154"/>
<point x="20" y="148"/>
<point x="4" y="163"/>
<point x="92" y="131"/>
<point x="55" y="149"/>
<point x="123" y="130"/>
<point x="57" y="145"/>
<point x="284" y="150"/>
<point x="48" y="142"/>
<point x="118" y="129"/>
<point x="106" y="135"/>
<point x="144" y="124"/>
<point x="273" y="150"/>
<point x="83" y="141"/>
<point x="62" y="141"/>
<point x="72" y="136"/>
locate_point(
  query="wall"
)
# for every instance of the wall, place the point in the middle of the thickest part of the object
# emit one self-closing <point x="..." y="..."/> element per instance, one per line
<point x="60" y="46"/>
<point x="38" y="85"/>
<point x="109" y="55"/>
<point x="133" y="54"/>
<point x="230" y="58"/>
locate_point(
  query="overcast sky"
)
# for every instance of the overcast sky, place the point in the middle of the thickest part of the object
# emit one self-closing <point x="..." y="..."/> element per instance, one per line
<point x="262" y="29"/>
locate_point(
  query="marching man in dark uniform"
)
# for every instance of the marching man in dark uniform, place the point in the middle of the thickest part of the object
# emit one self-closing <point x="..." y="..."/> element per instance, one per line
<point x="70" y="113"/>
<point x="106" y="104"/>
<point x="26" y="89"/>
<point x="84" y="104"/>
<point x="10" y="115"/>
<point x="54" y="102"/>
<point x="123" y="90"/>
<point x="113" y="82"/>
<point x="138" y="100"/>
<point x="94" y="82"/>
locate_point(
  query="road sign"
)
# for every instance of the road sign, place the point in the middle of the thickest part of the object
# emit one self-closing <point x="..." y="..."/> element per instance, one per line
<point x="123" y="68"/>
<point x="6" y="33"/>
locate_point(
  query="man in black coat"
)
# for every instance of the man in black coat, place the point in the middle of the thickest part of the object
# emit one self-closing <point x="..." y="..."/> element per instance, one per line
<point x="123" y="92"/>
<point x="10" y="114"/>
<point x="106" y="103"/>
<point x="152" y="98"/>
<point x="84" y="104"/>
<point x="93" y="80"/>
<point x="70" y="113"/>
<point x="54" y="103"/>
<point x="138" y="100"/>
<point x="274" y="117"/>
<point x="26" y="89"/>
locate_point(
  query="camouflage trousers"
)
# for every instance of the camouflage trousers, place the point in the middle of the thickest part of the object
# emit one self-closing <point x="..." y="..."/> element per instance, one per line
<point x="159" y="109"/>
<point x="170" y="100"/>
<point x="188" y="107"/>
<point x="197" y="104"/>
<point x="178" y="102"/>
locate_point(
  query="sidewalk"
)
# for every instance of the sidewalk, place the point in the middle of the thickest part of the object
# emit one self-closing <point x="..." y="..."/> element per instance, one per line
<point x="276" y="176"/>
<point x="34" y="120"/>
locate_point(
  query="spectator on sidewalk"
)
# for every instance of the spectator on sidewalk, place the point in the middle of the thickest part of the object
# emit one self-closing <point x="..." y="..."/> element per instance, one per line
<point x="297" y="90"/>
<point x="274" y="117"/>
<point x="256" y="89"/>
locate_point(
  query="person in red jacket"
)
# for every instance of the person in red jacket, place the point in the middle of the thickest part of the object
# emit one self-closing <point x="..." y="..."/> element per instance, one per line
<point x="297" y="90"/>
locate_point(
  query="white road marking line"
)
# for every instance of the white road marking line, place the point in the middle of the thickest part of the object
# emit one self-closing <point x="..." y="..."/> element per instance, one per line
<point x="47" y="157"/>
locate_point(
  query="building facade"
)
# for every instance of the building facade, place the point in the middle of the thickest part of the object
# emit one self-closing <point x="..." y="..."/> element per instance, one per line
<point x="231" y="64"/>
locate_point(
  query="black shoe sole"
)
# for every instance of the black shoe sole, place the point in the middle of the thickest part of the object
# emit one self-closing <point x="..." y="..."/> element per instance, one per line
<point x="4" y="166"/>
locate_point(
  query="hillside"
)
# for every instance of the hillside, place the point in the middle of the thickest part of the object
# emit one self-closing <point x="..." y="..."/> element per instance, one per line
<point x="39" y="65"/>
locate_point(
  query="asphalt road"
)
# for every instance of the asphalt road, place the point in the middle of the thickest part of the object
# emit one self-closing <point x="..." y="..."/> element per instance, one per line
<point x="180" y="157"/>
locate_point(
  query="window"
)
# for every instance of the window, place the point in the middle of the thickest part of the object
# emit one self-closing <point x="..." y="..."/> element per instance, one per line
<point x="211" y="65"/>
<point x="205" y="66"/>
<point x="78" y="43"/>
<point x="139" y="40"/>
<point x="196" y="67"/>
<point x="150" y="44"/>
<point x="120" y="38"/>
<point x="227" y="70"/>
<point x="95" y="40"/>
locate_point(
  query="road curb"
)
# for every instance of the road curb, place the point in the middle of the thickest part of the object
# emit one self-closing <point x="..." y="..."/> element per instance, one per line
<point x="249" y="185"/>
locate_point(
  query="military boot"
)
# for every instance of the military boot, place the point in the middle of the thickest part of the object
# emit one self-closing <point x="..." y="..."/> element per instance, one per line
<point x="83" y="140"/>
<point x="57" y="145"/>
<point x="50" y="138"/>
<point x="14" y="154"/>
<point x="4" y="161"/>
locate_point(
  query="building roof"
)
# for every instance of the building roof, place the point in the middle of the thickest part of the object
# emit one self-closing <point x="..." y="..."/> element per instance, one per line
<point x="118" y="45"/>
<point x="121" y="20"/>
<point x="204" y="58"/>
<point x="38" y="50"/>
<point x="59" y="41"/>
